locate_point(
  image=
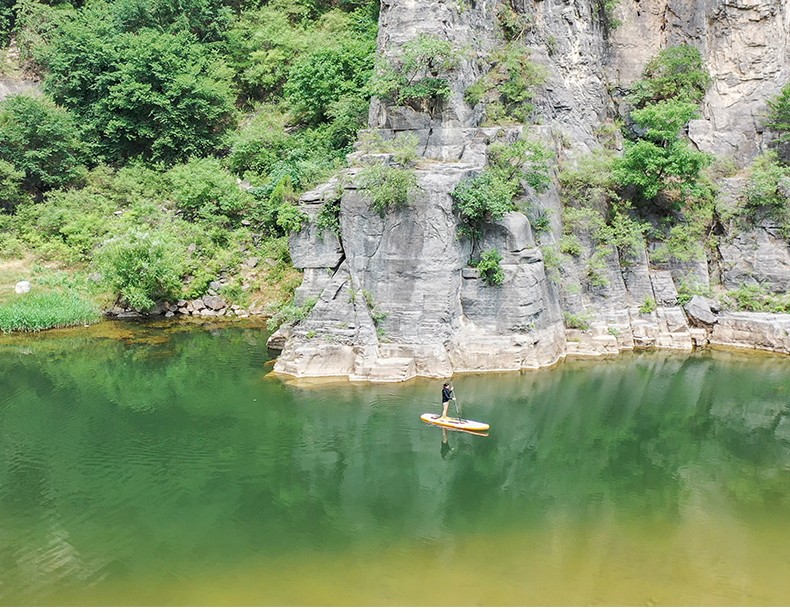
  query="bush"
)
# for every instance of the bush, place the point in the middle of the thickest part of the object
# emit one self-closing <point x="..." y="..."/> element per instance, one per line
<point x="388" y="187"/>
<point x="290" y="314"/>
<point x="577" y="321"/>
<point x="41" y="310"/>
<point x="328" y="217"/>
<point x="203" y="190"/>
<point x="39" y="139"/>
<point x="523" y="160"/>
<point x="513" y="23"/>
<point x="571" y="245"/>
<point x="768" y="187"/>
<point x="509" y="86"/>
<point x="490" y="268"/>
<point x="159" y="96"/>
<point x="481" y="199"/>
<point x="676" y="73"/>
<point x="143" y="267"/>
<point x="419" y="76"/>
<point x="756" y="297"/>
<point x="648" y="306"/>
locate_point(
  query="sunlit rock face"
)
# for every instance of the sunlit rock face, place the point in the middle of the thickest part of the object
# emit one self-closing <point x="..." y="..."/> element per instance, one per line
<point x="396" y="295"/>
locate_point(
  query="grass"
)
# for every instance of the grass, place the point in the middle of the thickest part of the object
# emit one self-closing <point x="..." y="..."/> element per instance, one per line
<point x="11" y="272"/>
<point x="41" y="310"/>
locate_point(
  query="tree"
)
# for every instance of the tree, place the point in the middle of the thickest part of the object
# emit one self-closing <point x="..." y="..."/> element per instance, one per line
<point x="11" y="194"/>
<point x="676" y="73"/>
<point x="207" y="20"/>
<point x="661" y="162"/>
<point x="39" y="139"/>
<point x="158" y="96"/>
<point x="778" y="121"/>
<point x="419" y="77"/>
<point x="321" y="78"/>
<point x="203" y="189"/>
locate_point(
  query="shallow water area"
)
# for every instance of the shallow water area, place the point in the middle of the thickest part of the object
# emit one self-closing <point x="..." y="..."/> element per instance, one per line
<point x="158" y="464"/>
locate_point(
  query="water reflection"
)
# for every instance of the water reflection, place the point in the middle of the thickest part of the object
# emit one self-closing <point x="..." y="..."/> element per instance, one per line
<point x="161" y="472"/>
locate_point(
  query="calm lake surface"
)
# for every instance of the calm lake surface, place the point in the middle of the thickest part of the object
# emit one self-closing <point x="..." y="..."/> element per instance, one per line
<point x="159" y="465"/>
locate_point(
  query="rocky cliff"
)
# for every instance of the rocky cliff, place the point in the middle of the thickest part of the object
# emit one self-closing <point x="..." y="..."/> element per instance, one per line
<point x="395" y="296"/>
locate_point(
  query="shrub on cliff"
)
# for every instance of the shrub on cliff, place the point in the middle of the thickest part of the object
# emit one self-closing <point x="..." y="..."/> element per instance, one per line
<point x="389" y="187"/>
<point x="778" y="121"/>
<point x="483" y="198"/>
<point x="661" y="162"/>
<point x="489" y="195"/>
<point x="676" y="73"/>
<point x="420" y="76"/>
<point x="509" y="86"/>
<point x="490" y="268"/>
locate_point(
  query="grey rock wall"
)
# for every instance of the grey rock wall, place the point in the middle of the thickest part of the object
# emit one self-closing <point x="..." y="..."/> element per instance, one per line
<point x="745" y="47"/>
<point x="396" y="296"/>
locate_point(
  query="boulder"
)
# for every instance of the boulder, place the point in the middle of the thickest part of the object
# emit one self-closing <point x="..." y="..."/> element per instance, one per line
<point x="23" y="287"/>
<point x="701" y="311"/>
<point x="215" y="303"/>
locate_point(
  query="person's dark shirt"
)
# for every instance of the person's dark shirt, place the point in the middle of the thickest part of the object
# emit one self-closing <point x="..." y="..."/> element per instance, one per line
<point x="447" y="394"/>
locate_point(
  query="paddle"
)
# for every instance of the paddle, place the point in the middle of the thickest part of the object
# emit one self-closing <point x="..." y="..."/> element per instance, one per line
<point x="455" y="400"/>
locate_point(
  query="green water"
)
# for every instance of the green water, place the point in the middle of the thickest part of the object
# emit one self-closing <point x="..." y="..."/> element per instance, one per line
<point x="160" y="466"/>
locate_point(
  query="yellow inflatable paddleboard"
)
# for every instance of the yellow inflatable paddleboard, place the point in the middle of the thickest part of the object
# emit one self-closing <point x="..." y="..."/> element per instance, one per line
<point x="454" y="422"/>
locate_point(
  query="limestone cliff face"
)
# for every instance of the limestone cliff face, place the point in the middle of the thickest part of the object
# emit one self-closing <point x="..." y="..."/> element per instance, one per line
<point x="395" y="295"/>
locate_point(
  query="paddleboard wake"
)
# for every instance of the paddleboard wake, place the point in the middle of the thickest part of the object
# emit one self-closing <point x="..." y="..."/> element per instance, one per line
<point x="454" y="422"/>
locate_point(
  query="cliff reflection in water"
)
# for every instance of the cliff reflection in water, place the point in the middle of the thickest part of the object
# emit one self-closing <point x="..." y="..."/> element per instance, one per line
<point x="137" y="461"/>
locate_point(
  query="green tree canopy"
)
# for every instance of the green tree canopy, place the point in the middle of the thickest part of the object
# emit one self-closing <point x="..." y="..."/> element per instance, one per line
<point x="778" y="121"/>
<point x="158" y="96"/>
<point x="676" y="73"/>
<point x="39" y="139"/>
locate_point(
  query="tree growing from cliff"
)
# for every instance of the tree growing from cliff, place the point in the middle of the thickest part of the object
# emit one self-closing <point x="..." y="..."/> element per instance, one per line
<point x="420" y="76"/>
<point x="778" y="121"/>
<point x="658" y="161"/>
<point x="662" y="162"/>
<point x="677" y="73"/>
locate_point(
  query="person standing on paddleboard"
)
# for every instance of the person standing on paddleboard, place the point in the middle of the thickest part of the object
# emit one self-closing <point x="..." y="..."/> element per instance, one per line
<point x="447" y="396"/>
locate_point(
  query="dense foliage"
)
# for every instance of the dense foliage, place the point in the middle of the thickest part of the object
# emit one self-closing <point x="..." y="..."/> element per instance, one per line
<point x="492" y="193"/>
<point x="420" y="77"/>
<point x="174" y="137"/>
<point x="658" y="162"/>
<point x="39" y="140"/>
<point x="676" y="73"/>
<point x="778" y="121"/>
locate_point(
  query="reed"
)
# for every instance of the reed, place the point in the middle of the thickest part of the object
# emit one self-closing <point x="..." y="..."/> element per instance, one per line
<point x="47" y="309"/>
